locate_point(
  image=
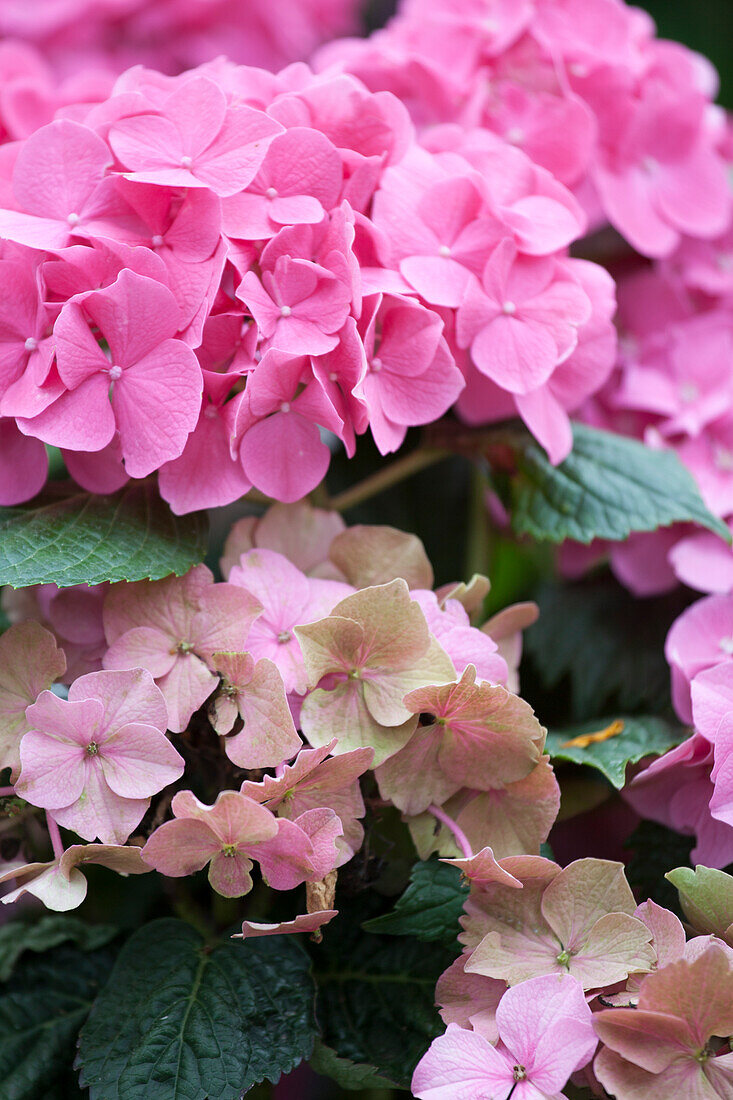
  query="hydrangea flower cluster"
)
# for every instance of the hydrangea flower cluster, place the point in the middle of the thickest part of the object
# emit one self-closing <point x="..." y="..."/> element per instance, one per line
<point x="107" y="36"/>
<point x="309" y="667"/>
<point x="563" y="978"/>
<point x="297" y="263"/>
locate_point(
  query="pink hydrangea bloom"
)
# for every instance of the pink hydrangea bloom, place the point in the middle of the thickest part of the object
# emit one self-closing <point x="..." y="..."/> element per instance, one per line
<point x="476" y="735"/>
<point x="171" y="628"/>
<point x="515" y="934"/>
<point x="288" y="599"/>
<point x="232" y="833"/>
<point x="254" y="692"/>
<point x="701" y="638"/>
<point x="96" y="759"/>
<point x="661" y="1048"/>
<point x="545" y="1034"/>
<point x="315" y="780"/>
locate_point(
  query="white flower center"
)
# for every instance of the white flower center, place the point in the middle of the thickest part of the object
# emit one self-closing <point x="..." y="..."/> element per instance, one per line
<point x="186" y="162"/>
<point x="271" y="192"/>
<point x="444" y="251"/>
<point x="157" y="241"/>
<point x="285" y="311"/>
<point x="726" y="644"/>
<point x="31" y="344"/>
<point x="73" y="219"/>
<point x="509" y="308"/>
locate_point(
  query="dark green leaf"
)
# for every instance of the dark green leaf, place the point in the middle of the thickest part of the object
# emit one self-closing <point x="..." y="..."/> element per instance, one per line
<point x="347" y="1074"/>
<point x="376" y="996"/>
<point x="640" y="737"/>
<point x="609" y="645"/>
<point x="430" y="906"/>
<point x="41" y="1011"/>
<point x="86" y="539"/>
<point x="656" y="850"/>
<point x="48" y="932"/>
<point x="182" y="1021"/>
<point x="607" y="487"/>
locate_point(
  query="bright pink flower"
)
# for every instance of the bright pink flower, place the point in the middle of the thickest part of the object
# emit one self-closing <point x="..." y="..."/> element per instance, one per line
<point x="438" y="236"/>
<point x="299" y="181"/>
<point x="299" y="305"/>
<point x="276" y="427"/>
<point x="96" y="759"/>
<point x="658" y="175"/>
<point x="23" y="464"/>
<point x="61" y="188"/>
<point x="195" y="141"/>
<point x="172" y="627"/>
<point x="700" y="638"/>
<point x="409" y="376"/>
<point x="677" y="790"/>
<point x="138" y="318"/>
<point x="288" y="599"/>
<point x="545" y="1035"/>
<point x="25" y="327"/>
<point x="523" y="320"/>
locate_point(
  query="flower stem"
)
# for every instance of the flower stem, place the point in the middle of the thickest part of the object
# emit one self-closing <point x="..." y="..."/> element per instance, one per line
<point x="387" y="477"/>
<point x="458" y="833"/>
<point x="55" y="834"/>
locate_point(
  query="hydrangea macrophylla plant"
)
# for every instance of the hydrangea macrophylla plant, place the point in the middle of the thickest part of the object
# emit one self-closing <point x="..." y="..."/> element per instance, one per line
<point x="545" y="1034"/>
<point x="219" y="277"/>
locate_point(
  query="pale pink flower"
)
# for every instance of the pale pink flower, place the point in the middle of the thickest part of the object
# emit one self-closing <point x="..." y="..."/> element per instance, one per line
<point x="301" y="533"/>
<point x="304" y="922"/>
<point x="545" y="1034"/>
<point x="471" y="735"/>
<point x="314" y="781"/>
<point x="255" y="693"/>
<point x="96" y="759"/>
<point x="59" y="884"/>
<point x="578" y="920"/>
<point x="662" y="1048"/>
<point x="23" y="464"/>
<point x="171" y="628"/>
<point x="235" y="831"/>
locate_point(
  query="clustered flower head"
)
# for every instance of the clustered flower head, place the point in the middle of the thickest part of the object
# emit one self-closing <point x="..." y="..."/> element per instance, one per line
<point x="228" y="724"/>
<point x="88" y="42"/>
<point x="301" y="266"/>
<point x="563" y="978"/>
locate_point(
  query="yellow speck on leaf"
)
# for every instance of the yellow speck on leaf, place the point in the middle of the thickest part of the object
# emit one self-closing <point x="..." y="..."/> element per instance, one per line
<point x="587" y="739"/>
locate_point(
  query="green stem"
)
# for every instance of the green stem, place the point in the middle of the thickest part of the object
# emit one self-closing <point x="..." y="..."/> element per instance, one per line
<point x="479" y="525"/>
<point x="386" y="478"/>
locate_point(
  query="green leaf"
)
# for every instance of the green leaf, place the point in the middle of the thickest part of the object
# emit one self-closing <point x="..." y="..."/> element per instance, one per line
<point x="607" y="487"/>
<point x="86" y="539"/>
<point x="706" y="896"/>
<point x="347" y="1074"/>
<point x="608" y="645"/>
<point x="376" y="996"/>
<point x="430" y="906"/>
<point x="41" y="1011"/>
<point x="46" y="933"/>
<point x="639" y="737"/>
<point x="180" y="1020"/>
